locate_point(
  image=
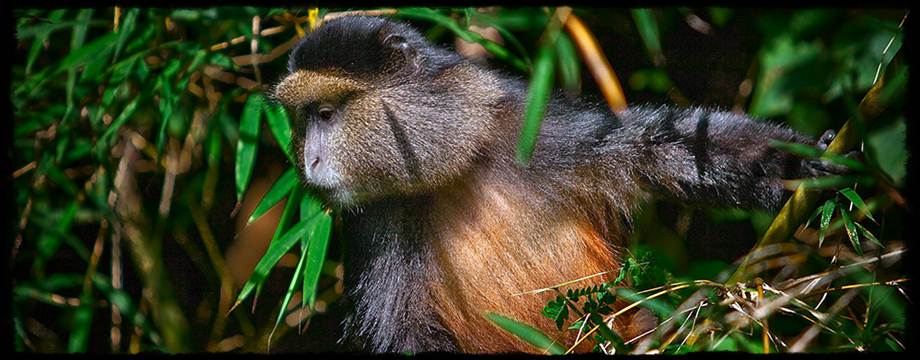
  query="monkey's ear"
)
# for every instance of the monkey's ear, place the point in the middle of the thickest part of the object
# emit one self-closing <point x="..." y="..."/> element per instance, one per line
<point x="401" y="47"/>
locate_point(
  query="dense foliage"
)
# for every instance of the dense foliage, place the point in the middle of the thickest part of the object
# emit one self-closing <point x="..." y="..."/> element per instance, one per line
<point x="154" y="193"/>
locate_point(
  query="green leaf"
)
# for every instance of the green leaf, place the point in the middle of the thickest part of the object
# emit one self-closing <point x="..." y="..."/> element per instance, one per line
<point x="511" y="39"/>
<point x="802" y="150"/>
<point x="248" y="143"/>
<point x="557" y="310"/>
<point x="279" y="124"/>
<point x="40" y="38"/>
<point x="852" y="233"/>
<point x="125" y="305"/>
<point x="648" y="31"/>
<point x="569" y="65"/>
<point x="885" y="147"/>
<point x="74" y="59"/>
<point x="103" y="143"/>
<point x="660" y="308"/>
<point x="76" y="42"/>
<point x="127" y="26"/>
<point x="868" y="235"/>
<point x="316" y="254"/>
<point x="525" y="332"/>
<point x="275" y="251"/>
<point x="858" y="201"/>
<point x="814" y="215"/>
<point x="538" y="94"/>
<point x="168" y="101"/>
<point x="82" y="322"/>
<point x="827" y="211"/>
<point x="281" y="188"/>
<point x="469" y="36"/>
<point x="292" y="287"/>
<point x="831" y="182"/>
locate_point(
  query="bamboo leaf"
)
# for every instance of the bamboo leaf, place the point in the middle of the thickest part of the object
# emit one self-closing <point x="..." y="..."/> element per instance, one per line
<point x="469" y="36"/>
<point x="316" y="255"/>
<point x="569" y="65"/>
<point x="830" y="182"/>
<point x="538" y="94"/>
<point x="248" y="143"/>
<point x="279" y="124"/>
<point x="868" y="235"/>
<point x="852" y="233"/>
<point x="40" y="37"/>
<point x="127" y="26"/>
<point x="525" y="332"/>
<point x="74" y="59"/>
<point x="275" y="251"/>
<point x="298" y="272"/>
<point x="168" y="100"/>
<point x="281" y="188"/>
<point x="858" y="201"/>
<point x="126" y="113"/>
<point x="125" y="305"/>
<point x="801" y="150"/>
<point x="82" y="322"/>
<point x="648" y="31"/>
<point x="827" y="211"/>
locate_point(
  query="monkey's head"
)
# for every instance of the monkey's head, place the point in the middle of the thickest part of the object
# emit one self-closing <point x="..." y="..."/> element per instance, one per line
<point x="378" y="111"/>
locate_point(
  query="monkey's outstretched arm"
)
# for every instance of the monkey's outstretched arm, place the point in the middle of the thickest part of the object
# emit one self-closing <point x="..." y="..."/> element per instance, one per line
<point x="709" y="158"/>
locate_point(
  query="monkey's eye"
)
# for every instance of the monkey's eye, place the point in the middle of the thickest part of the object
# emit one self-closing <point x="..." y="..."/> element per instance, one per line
<point x="325" y="112"/>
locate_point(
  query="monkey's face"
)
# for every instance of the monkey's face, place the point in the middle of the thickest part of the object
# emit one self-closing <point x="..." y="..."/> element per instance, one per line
<point x="377" y="111"/>
<point x="341" y="140"/>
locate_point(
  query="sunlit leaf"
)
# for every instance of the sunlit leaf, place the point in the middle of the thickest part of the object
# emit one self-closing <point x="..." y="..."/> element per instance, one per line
<point x="827" y="211"/>
<point x="40" y="36"/>
<point x="280" y="189"/>
<point x="832" y="182"/>
<point x="569" y="65"/>
<point x="126" y="113"/>
<point x="82" y="323"/>
<point x="316" y="255"/>
<point x="292" y="288"/>
<point x="249" y="142"/>
<point x="527" y="333"/>
<point x="469" y="36"/>
<point x="648" y="31"/>
<point x="868" y="235"/>
<point x="79" y="57"/>
<point x="852" y="232"/>
<point x="538" y="94"/>
<point x="858" y="201"/>
<point x="128" y="20"/>
<point x="280" y="126"/>
<point x="125" y="305"/>
<point x="276" y="249"/>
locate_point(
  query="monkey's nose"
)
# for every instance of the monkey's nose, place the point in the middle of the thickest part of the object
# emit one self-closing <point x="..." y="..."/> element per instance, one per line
<point x="314" y="163"/>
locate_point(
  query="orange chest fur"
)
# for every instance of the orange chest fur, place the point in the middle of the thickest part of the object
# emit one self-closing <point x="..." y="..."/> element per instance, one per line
<point x="492" y="247"/>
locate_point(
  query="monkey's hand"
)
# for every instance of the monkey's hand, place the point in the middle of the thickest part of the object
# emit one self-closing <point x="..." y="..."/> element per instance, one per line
<point x="817" y="167"/>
